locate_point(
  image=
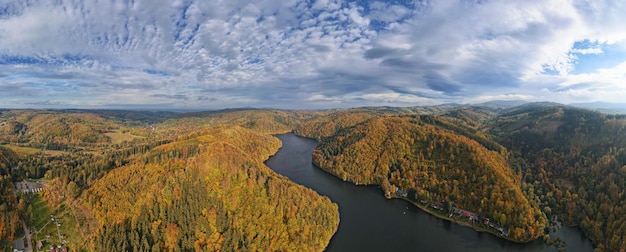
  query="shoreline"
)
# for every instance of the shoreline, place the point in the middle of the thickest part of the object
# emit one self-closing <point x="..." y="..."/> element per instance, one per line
<point x="460" y="223"/>
<point x="477" y="226"/>
<point x="435" y="214"/>
<point x="325" y="246"/>
<point x="420" y="206"/>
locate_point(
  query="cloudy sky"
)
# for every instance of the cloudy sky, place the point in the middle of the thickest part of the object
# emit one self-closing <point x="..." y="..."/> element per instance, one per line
<point x="308" y="53"/>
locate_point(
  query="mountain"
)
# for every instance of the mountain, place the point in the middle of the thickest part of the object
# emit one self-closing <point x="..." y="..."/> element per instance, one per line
<point x="54" y="130"/>
<point x="434" y="163"/>
<point x="605" y="107"/>
<point x="568" y="162"/>
<point x="265" y="121"/>
<point x="500" y="104"/>
<point x="576" y="164"/>
<point x="209" y="192"/>
<point x="192" y="181"/>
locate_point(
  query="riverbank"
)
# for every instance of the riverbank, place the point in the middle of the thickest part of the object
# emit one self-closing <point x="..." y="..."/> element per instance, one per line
<point x="438" y="213"/>
<point x="273" y="155"/>
<point x="371" y="222"/>
<point x="442" y="215"/>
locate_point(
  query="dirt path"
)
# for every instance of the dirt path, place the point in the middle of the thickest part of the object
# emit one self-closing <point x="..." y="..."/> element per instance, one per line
<point x="27" y="234"/>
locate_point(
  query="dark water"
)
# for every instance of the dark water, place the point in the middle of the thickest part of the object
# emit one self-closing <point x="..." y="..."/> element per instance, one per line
<point x="370" y="222"/>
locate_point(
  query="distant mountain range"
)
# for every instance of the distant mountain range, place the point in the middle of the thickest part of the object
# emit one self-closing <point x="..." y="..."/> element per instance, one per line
<point x="501" y="104"/>
<point x="605" y="107"/>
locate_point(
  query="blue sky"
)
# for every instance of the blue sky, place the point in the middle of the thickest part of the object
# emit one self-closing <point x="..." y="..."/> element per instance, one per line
<point x="299" y="54"/>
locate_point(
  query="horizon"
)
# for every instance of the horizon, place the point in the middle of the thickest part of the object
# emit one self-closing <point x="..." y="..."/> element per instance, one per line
<point x="603" y="107"/>
<point x="313" y="55"/>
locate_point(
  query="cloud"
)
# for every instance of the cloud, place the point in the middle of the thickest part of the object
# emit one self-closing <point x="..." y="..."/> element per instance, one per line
<point x="594" y="50"/>
<point x="175" y="97"/>
<point x="376" y="53"/>
<point x="305" y="54"/>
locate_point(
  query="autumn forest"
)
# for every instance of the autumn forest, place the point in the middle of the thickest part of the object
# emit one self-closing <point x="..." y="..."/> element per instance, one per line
<point x="163" y="181"/>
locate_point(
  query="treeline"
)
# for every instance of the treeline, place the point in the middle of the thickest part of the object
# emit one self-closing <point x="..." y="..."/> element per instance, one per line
<point x="84" y="167"/>
<point x="572" y="161"/>
<point x="217" y="195"/>
<point x="576" y="166"/>
<point x="427" y="157"/>
<point x="327" y="126"/>
<point x="264" y="121"/>
<point x="9" y="216"/>
<point x="54" y="130"/>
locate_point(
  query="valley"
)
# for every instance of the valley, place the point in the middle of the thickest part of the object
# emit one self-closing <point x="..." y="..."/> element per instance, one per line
<point x="133" y="180"/>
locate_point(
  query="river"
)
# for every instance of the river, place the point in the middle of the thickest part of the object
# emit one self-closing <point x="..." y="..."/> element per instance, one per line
<point x="370" y="222"/>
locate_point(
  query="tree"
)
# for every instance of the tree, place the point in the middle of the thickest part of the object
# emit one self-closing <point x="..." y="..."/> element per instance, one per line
<point x="73" y="189"/>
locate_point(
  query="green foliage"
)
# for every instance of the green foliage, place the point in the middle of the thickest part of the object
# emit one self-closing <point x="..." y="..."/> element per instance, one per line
<point x="209" y="191"/>
<point x="197" y="181"/>
<point x="576" y="166"/>
<point x="9" y="218"/>
<point x="427" y="156"/>
<point x="73" y="189"/>
<point x="264" y="121"/>
<point x="54" y="130"/>
<point x="328" y="125"/>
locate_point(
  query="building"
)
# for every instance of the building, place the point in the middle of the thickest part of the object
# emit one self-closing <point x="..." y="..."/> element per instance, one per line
<point x="401" y="193"/>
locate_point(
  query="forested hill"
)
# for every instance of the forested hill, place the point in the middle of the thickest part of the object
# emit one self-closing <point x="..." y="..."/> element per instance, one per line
<point x="329" y="125"/>
<point x="210" y="192"/>
<point x="264" y="121"/>
<point x="195" y="182"/>
<point x="72" y="129"/>
<point x="569" y="161"/>
<point x="418" y="154"/>
<point x="140" y="180"/>
<point x="9" y="220"/>
<point x="576" y="165"/>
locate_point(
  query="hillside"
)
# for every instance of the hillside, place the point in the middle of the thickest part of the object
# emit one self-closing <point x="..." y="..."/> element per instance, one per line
<point x="9" y="220"/>
<point x="195" y="182"/>
<point x="327" y="126"/>
<point x="209" y="191"/>
<point x="434" y="164"/>
<point x="136" y="174"/>
<point x="54" y="130"/>
<point x="576" y="165"/>
<point x="264" y="121"/>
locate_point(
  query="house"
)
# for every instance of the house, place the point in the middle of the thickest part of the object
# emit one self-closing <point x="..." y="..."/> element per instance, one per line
<point x="437" y="207"/>
<point x="18" y="245"/>
<point x="401" y="193"/>
<point x="464" y="213"/>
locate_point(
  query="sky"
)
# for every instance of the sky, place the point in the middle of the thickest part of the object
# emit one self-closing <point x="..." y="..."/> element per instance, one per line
<point x="308" y="54"/>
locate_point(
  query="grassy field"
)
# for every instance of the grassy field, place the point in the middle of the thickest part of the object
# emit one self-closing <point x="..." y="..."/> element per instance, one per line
<point x="49" y="231"/>
<point x="24" y="151"/>
<point x="119" y="137"/>
<point x="21" y="150"/>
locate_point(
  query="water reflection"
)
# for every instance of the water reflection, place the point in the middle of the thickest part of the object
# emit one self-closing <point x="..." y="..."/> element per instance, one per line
<point x="370" y="222"/>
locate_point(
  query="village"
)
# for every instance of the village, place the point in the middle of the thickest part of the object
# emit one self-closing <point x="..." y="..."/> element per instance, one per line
<point x="455" y="214"/>
<point x="42" y="235"/>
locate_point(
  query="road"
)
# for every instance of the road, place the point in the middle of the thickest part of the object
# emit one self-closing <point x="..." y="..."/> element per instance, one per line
<point x="27" y="234"/>
<point x="29" y="243"/>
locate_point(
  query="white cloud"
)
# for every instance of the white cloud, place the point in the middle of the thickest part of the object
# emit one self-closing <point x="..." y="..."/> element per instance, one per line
<point x="502" y="97"/>
<point x="273" y="53"/>
<point x="388" y="12"/>
<point x="594" y="50"/>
